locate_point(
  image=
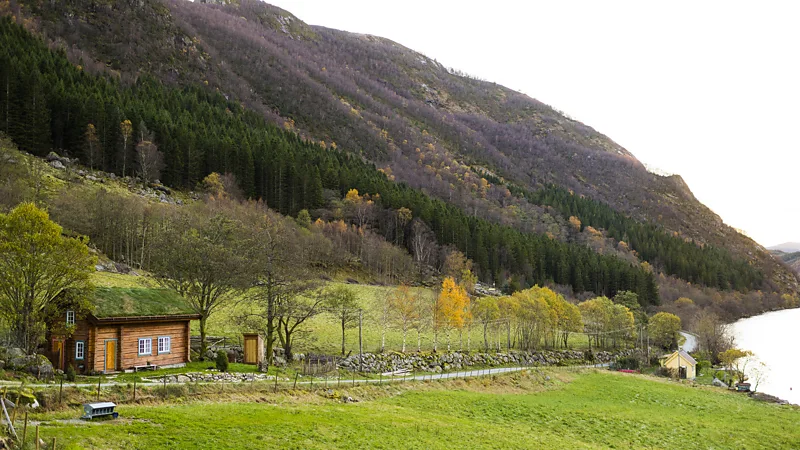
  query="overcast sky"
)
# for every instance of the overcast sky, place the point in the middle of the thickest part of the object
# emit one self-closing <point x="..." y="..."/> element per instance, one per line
<point x="707" y="90"/>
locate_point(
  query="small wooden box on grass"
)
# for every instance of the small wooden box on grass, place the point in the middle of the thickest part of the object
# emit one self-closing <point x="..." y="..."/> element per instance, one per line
<point x="253" y="348"/>
<point x="99" y="409"/>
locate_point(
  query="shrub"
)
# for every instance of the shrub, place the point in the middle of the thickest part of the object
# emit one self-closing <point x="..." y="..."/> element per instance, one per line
<point x="222" y="361"/>
<point x="628" y="363"/>
<point x="666" y="372"/>
<point x="69" y="374"/>
<point x="702" y="366"/>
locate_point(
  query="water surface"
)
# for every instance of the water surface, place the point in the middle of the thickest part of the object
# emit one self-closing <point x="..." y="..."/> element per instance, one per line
<point x="774" y="338"/>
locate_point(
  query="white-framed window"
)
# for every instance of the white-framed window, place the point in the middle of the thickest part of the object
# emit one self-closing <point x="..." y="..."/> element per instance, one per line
<point x="70" y="317"/>
<point x="80" y="349"/>
<point x="164" y="344"/>
<point x="145" y="346"/>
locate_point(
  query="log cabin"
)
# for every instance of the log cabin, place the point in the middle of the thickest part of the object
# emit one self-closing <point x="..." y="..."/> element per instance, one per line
<point x="128" y="329"/>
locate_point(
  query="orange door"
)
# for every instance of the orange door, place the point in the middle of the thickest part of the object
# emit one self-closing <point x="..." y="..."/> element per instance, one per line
<point x="58" y="353"/>
<point x="111" y="356"/>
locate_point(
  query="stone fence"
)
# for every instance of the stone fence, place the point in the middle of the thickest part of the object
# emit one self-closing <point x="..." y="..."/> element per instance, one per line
<point x="439" y="362"/>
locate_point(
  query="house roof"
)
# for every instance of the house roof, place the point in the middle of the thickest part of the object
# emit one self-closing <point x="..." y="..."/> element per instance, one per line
<point x="684" y="356"/>
<point x="131" y="303"/>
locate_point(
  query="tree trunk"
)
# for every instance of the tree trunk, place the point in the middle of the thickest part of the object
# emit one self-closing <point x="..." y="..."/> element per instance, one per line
<point x="270" y="344"/>
<point x="343" y="327"/>
<point x="405" y="331"/>
<point x="203" y="343"/>
<point x="485" y="339"/>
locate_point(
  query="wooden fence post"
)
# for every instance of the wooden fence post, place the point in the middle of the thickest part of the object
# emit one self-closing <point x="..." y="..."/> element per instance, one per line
<point x="60" y="389"/>
<point x="37" y="437"/>
<point x="25" y="429"/>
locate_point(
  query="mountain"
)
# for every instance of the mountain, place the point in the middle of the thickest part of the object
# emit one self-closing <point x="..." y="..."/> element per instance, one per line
<point x="496" y="155"/>
<point x="787" y="247"/>
<point x="790" y="257"/>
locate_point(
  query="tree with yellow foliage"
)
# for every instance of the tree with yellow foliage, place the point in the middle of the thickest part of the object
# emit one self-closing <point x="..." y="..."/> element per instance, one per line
<point x="452" y="309"/>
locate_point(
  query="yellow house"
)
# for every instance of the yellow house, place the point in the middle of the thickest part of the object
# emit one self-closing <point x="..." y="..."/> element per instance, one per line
<point x="682" y="363"/>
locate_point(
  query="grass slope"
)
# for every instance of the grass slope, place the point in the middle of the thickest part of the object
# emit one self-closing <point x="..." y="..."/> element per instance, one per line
<point x="588" y="410"/>
<point x="323" y="332"/>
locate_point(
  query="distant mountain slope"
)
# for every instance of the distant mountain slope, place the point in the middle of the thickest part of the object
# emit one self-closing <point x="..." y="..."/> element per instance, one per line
<point x="421" y="123"/>
<point x="792" y="259"/>
<point x="787" y="247"/>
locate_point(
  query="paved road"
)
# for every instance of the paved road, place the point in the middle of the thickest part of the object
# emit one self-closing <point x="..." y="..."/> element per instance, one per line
<point x="408" y="377"/>
<point x="691" y="341"/>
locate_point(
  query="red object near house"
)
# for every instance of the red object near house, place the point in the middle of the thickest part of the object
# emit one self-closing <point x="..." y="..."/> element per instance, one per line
<point x="628" y="371"/>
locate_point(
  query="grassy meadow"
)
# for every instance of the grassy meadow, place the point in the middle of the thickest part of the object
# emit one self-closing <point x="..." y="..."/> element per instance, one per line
<point x="538" y="409"/>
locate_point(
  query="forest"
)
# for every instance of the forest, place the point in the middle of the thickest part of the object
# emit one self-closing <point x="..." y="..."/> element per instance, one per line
<point x="49" y="103"/>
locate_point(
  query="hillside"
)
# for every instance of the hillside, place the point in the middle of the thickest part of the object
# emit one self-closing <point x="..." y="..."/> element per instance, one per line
<point x="493" y="153"/>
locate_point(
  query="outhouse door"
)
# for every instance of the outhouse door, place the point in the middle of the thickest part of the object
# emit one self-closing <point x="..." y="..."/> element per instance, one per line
<point x="250" y="350"/>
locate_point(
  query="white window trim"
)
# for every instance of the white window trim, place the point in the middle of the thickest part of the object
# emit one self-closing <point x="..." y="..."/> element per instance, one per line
<point x="148" y="345"/>
<point x="82" y="354"/>
<point x="70" y="317"/>
<point x="167" y="347"/>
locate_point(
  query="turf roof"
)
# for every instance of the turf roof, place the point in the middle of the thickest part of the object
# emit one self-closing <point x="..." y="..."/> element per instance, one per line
<point x="138" y="302"/>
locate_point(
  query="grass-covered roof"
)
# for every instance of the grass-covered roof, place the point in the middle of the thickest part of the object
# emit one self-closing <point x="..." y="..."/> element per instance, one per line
<point x="138" y="302"/>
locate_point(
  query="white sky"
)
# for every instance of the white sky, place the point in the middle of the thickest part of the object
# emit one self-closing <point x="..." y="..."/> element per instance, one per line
<point x="708" y="90"/>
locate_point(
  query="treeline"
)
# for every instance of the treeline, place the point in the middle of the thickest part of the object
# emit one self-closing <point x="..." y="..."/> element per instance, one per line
<point x="49" y="104"/>
<point x="706" y="265"/>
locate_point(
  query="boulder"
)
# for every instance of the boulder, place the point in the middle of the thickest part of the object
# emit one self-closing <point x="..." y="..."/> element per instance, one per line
<point x="57" y="165"/>
<point x="719" y="383"/>
<point x="16" y="358"/>
<point x="40" y="367"/>
<point x="52" y="156"/>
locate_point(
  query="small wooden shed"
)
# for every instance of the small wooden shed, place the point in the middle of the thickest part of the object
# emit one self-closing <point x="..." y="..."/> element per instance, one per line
<point x="683" y="364"/>
<point x="253" y="348"/>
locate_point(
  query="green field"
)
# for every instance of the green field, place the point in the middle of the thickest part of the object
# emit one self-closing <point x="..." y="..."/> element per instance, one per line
<point x="566" y="410"/>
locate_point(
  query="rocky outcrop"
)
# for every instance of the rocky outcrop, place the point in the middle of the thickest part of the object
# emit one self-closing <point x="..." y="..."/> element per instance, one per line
<point x="36" y="365"/>
<point x="439" y="362"/>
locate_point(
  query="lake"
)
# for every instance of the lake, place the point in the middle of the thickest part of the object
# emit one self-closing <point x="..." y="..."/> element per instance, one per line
<point x="773" y="338"/>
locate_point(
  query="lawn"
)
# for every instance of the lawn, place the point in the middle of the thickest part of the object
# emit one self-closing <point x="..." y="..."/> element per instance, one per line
<point x="587" y="410"/>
